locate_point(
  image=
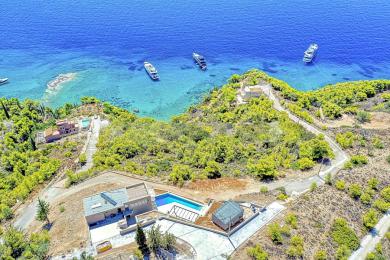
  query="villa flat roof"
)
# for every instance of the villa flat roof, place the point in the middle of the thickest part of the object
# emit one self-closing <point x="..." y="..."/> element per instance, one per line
<point x="108" y="200"/>
<point x="105" y="201"/>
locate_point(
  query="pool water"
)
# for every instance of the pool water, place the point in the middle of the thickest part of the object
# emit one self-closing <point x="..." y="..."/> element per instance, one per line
<point x="168" y="198"/>
<point x="85" y="122"/>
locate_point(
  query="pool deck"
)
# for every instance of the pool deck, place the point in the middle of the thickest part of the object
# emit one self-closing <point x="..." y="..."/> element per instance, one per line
<point x="207" y="244"/>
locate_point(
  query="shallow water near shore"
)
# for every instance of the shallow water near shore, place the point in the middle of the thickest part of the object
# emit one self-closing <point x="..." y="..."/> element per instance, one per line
<point x="107" y="44"/>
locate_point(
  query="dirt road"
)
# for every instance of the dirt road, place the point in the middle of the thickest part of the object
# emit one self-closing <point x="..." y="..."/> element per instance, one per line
<point x="335" y="165"/>
<point x="26" y="215"/>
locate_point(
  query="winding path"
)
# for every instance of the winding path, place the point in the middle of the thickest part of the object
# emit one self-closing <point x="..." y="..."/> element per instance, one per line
<point x="55" y="188"/>
<point x="335" y="165"/>
<point x="369" y="242"/>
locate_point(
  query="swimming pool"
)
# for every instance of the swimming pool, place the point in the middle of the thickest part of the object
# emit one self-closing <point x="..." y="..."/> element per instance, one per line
<point x="168" y="198"/>
<point x="85" y="122"/>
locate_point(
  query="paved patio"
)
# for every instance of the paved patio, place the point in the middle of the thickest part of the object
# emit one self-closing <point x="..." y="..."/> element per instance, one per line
<point x="207" y="244"/>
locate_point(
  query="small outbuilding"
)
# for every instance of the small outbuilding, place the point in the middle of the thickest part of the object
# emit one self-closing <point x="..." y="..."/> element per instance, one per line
<point x="228" y="215"/>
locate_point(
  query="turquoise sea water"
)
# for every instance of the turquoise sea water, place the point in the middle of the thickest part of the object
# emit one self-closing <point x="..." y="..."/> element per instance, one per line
<point x="105" y="43"/>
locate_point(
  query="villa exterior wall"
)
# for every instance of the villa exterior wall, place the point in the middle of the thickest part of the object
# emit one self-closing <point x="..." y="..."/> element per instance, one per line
<point x="101" y="216"/>
<point x="140" y="205"/>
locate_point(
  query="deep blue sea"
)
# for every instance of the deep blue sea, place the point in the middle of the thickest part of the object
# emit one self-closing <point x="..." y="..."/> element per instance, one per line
<point x="106" y="42"/>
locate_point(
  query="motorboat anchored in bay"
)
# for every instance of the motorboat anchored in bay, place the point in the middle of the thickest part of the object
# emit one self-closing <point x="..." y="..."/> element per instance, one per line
<point x="199" y="59"/>
<point x="3" y="81"/>
<point x="310" y="53"/>
<point x="151" y="70"/>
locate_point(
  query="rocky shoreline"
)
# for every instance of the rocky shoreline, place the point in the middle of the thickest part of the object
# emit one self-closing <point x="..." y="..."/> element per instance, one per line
<point x="56" y="83"/>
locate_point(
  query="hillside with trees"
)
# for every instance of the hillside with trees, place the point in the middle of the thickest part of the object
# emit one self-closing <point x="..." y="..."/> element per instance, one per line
<point x="331" y="101"/>
<point x="216" y="138"/>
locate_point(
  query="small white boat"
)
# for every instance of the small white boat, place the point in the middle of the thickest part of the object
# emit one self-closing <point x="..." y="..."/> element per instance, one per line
<point x="199" y="59"/>
<point x="310" y="53"/>
<point x="151" y="70"/>
<point x="3" y="81"/>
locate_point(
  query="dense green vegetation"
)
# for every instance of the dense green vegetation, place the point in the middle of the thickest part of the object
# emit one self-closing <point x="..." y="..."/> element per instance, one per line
<point x="18" y="245"/>
<point x="344" y="237"/>
<point x="22" y="165"/>
<point x="333" y="100"/>
<point x="213" y="139"/>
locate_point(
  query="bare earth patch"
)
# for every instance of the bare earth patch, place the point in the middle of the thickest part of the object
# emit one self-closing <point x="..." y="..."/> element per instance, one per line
<point x="379" y="120"/>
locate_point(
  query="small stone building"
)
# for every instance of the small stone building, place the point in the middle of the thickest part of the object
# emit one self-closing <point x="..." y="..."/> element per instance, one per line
<point x="229" y="214"/>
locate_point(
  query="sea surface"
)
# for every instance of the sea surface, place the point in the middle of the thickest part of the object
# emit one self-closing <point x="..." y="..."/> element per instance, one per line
<point x="106" y="43"/>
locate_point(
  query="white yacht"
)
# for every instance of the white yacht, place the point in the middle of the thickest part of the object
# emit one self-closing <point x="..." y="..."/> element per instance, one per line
<point x="199" y="59"/>
<point x="310" y="53"/>
<point x="151" y="70"/>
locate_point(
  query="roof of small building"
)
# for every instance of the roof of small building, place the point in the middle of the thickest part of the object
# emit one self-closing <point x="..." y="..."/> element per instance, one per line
<point x="138" y="190"/>
<point x="228" y="211"/>
<point x="105" y="201"/>
<point x="50" y="132"/>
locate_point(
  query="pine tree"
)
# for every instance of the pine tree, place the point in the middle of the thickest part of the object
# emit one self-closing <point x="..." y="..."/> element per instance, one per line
<point x="141" y="240"/>
<point x="5" y="110"/>
<point x="43" y="210"/>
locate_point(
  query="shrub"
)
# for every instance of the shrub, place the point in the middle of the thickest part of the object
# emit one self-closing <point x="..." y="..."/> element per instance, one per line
<point x="345" y="140"/>
<point x="381" y="205"/>
<point x="377" y="143"/>
<point x="320" y="255"/>
<point x="328" y="179"/>
<point x="340" y="185"/>
<point x="257" y="253"/>
<point x="276" y="233"/>
<point x="388" y="158"/>
<point x="355" y="190"/>
<point x="263" y="189"/>
<point x="265" y="168"/>
<point x="313" y="186"/>
<point x="68" y="154"/>
<point x="180" y="173"/>
<point x="343" y="252"/>
<point x="305" y="164"/>
<point x="366" y="198"/>
<point x="370" y="219"/>
<point x="138" y="254"/>
<point x="213" y="170"/>
<point x="5" y="212"/>
<point x="83" y="159"/>
<point x="331" y="110"/>
<point x="315" y="149"/>
<point x="373" y="183"/>
<point x="358" y="160"/>
<point x="386" y="96"/>
<point x="292" y="220"/>
<point x="348" y="165"/>
<point x="282" y="196"/>
<point x="363" y="117"/>
<point x="296" y="247"/>
<point x="343" y="235"/>
<point x="385" y="193"/>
